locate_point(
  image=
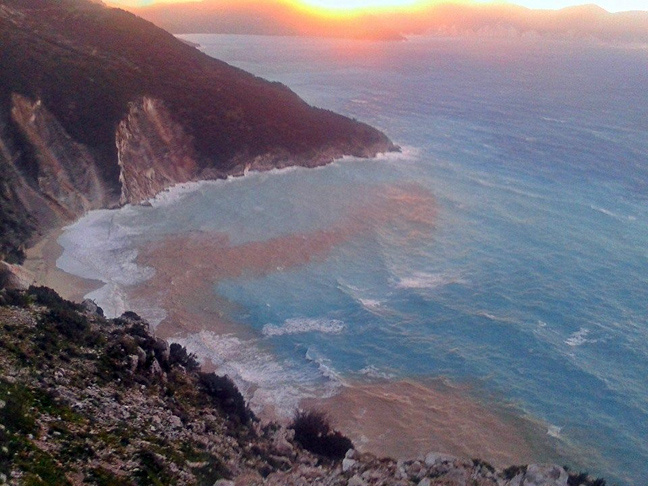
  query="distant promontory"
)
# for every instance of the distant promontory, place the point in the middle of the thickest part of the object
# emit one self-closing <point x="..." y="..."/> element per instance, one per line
<point x="445" y="19"/>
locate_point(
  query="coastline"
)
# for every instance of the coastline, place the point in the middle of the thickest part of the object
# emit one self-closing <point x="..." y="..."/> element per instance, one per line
<point x="41" y="262"/>
<point x="402" y="419"/>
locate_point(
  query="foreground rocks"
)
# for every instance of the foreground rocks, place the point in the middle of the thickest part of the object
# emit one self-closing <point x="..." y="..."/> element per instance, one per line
<point x="89" y="400"/>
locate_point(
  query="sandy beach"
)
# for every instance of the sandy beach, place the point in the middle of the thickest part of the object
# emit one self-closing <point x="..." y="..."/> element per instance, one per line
<point x="41" y="262"/>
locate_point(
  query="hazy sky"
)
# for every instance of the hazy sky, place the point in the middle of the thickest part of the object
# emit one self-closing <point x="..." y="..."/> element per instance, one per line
<point x="610" y="5"/>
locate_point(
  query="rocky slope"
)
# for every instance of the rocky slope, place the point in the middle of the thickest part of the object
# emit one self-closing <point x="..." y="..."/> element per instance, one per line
<point x="99" y="107"/>
<point x="87" y="400"/>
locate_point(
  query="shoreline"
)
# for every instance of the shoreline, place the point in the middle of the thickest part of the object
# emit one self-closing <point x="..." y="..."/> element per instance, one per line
<point x="41" y="261"/>
<point x="401" y="419"/>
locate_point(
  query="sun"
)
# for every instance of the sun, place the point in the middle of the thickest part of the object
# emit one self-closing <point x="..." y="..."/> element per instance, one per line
<point x="359" y="4"/>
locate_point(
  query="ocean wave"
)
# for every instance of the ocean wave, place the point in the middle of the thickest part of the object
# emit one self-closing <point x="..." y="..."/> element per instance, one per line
<point x="267" y="382"/>
<point x="554" y="431"/>
<point x="324" y="364"/>
<point x="579" y="338"/>
<point x="176" y="193"/>
<point x="495" y="318"/>
<point x="302" y="325"/>
<point x="98" y="247"/>
<point x="375" y="373"/>
<point x="611" y="214"/>
<point x="407" y="153"/>
<point x="370" y="304"/>
<point x="424" y="280"/>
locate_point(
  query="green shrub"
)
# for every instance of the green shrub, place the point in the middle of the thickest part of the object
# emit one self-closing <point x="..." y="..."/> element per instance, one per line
<point x="16" y="298"/>
<point x="16" y="415"/>
<point x="577" y="479"/>
<point x="49" y="298"/>
<point x="152" y="470"/>
<point x="512" y="471"/>
<point x="313" y="431"/>
<point x="226" y="396"/>
<point x="68" y="322"/>
<point x="178" y="356"/>
<point x="480" y="463"/>
<point x="103" y="477"/>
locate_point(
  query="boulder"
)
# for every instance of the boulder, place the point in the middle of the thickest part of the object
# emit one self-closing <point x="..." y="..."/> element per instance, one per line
<point x="14" y="277"/>
<point x="91" y="307"/>
<point x="434" y="458"/>
<point x="545" y="475"/>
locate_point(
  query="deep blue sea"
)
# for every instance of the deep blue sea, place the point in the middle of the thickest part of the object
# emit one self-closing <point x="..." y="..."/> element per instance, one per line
<point x="505" y="248"/>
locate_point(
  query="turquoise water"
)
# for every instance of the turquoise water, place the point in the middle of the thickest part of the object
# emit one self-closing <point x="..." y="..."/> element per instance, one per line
<point x="505" y="246"/>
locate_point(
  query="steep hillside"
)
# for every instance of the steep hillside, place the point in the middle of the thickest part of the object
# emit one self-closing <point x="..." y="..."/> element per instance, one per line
<point x="86" y="400"/>
<point x="99" y="107"/>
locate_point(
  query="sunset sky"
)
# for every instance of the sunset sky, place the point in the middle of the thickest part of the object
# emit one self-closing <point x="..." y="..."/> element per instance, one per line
<point x="610" y="5"/>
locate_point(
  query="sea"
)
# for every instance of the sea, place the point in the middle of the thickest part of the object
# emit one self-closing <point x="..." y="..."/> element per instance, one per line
<point x="502" y="254"/>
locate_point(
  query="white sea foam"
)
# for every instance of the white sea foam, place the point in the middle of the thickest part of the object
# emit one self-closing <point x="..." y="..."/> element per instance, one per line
<point x="264" y="379"/>
<point x="554" y="431"/>
<point x="612" y="214"/>
<point x="98" y="247"/>
<point x="373" y="372"/>
<point x="301" y="325"/>
<point x="578" y="338"/>
<point x="407" y="153"/>
<point x="324" y="364"/>
<point x="370" y="304"/>
<point x="176" y="193"/>
<point x="424" y="280"/>
<point x="495" y="318"/>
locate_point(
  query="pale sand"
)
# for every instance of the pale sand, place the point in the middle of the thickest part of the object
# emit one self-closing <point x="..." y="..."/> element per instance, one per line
<point x="41" y="262"/>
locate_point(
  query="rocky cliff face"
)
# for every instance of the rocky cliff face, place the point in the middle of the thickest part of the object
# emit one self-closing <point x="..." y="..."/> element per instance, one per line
<point x="99" y="107"/>
<point x="64" y="173"/>
<point x="153" y="151"/>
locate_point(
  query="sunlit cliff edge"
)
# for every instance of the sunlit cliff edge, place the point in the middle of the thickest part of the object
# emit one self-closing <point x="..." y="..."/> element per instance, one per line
<point x="99" y="108"/>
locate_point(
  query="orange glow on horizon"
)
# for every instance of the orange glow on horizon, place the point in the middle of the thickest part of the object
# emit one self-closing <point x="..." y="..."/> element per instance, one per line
<point x="351" y="8"/>
<point x="358" y="4"/>
<point x="345" y="7"/>
<point x="321" y="8"/>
